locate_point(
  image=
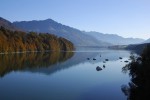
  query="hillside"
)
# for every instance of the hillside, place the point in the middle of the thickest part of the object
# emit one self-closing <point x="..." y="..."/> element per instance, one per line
<point x="17" y="41"/>
<point x="6" y="24"/>
<point x="50" y="26"/>
<point x="77" y="37"/>
<point x="138" y="48"/>
<point x="114" y="39"/>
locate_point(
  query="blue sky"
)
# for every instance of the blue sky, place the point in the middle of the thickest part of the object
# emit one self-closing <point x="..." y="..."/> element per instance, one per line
<point x="127" y="18"/>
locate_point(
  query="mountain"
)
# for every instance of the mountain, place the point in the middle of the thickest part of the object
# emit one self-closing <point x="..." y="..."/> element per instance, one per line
<point x="79" y="38"/>
<point x="50" y="26"/>
<point x="6" y="24"/>
<point x="17" y="41"/>
<point x="13" y="39"/>
<point x="138" y="48"/>
<point x="147" y="41"/>
<point x="114" y="39"/>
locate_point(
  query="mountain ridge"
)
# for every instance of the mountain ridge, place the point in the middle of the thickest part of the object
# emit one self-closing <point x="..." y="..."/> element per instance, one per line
<point x="79" y="38"/>
<point x="7" y="24"/>
<point x="147" y="41"/>
<point x="50" y="26"/>
<point x="91" y="38"/>
<point x="114" y="39"/>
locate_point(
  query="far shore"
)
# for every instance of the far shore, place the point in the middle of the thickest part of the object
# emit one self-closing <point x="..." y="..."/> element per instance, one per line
<point x="33" y="52"/>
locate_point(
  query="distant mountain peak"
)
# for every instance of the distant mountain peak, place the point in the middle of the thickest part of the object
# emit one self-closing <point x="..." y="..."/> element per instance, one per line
<point x="2" y="19"/>
<point x="7" y="24"/>
<point x="49" y="19"/>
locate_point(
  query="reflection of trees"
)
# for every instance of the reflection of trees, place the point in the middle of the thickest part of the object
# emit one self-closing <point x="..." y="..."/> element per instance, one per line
<point x="139" y="70"/>
<point x="22" y="61"/>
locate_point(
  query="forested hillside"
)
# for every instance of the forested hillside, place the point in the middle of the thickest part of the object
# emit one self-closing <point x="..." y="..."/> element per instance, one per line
<point x="18" y="41"/>
<point x="138" y="48"/>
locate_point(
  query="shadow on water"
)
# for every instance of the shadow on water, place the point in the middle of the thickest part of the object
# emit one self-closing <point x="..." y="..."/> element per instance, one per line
<point x="139" y="71"/>
<point x="31" y="61"/>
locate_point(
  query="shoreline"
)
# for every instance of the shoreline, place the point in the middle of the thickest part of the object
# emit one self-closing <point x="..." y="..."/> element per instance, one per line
<point x="34" y="52"/>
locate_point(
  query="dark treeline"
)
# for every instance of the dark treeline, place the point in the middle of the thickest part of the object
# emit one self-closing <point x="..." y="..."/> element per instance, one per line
<point x="138" y="48"/>
<point x="139" y="70"/>
<point x="17" y="41"/>
<point x="32" y="60"/>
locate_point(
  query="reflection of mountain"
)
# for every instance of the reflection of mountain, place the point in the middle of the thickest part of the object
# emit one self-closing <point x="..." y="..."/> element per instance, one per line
<point x="49" y="63"/>
<point x="78" y="57"/>
<point x="139" y="70"/>
<point x="46" y="63"/>
<point x="22" y="62"/>
<point x="81" y="57"/>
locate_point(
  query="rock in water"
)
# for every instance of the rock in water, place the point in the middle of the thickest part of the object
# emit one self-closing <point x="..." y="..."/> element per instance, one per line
<point x="126" y="61"/>
<point x="106" y="59"/>
<point x="104" y="66"/>
<point x="120" y="57"/>
<point x="98" y="68"/>
<point x="94" y="59"/>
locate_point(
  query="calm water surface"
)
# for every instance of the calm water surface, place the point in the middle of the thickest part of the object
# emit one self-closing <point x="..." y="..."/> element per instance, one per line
<point x="63" y="76"/>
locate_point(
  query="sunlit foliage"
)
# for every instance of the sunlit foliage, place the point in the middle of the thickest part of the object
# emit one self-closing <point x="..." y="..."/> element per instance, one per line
<point x="18" y="41"/>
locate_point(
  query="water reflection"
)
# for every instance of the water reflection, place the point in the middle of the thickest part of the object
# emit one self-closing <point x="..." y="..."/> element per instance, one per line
<point x="51" y="62"/>
<point x="69" y="76"/>
<point x="139" y="71"/>
<point x="25" y="61"/>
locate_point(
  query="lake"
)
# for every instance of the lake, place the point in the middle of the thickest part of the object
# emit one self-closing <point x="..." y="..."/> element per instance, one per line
<point x="64" y="75"/>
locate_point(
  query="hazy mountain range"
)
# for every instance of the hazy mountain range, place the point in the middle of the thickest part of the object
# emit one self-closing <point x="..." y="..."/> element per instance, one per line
<point x="147" y="41"/>
<point x="79" y="38"/>
<point x="114" y="39"/>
